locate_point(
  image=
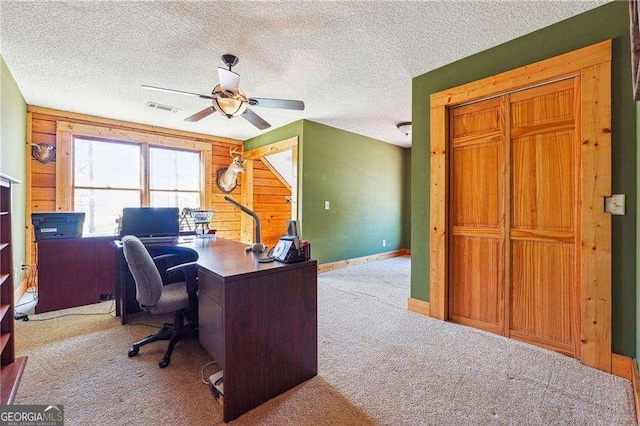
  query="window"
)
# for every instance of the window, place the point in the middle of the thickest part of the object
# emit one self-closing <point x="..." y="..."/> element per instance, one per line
<point x="107" y="178"/>
<point x="110" y="175"/>
<point x="174" y="178"/>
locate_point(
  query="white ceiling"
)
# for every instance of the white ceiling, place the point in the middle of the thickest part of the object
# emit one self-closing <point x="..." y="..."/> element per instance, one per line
<point x="351" y="62"/>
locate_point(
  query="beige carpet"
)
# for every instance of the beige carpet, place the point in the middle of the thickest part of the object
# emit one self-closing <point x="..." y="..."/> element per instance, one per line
<point x="378" y="364"/>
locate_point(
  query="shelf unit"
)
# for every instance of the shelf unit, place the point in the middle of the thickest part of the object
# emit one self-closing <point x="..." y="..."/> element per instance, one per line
<point x="11" y="368"/>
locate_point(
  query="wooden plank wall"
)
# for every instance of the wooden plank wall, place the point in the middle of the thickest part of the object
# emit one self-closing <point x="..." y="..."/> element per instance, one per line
<point x="42" y="178"/>
<point x="270" y="204"/>
<point x="226" y="219"/>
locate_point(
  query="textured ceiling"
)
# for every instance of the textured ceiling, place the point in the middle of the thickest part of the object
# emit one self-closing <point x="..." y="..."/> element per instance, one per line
<point x="351" y="62"/>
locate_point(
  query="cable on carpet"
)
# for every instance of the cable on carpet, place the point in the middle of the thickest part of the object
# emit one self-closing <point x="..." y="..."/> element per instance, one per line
<point x="206" y="382"/>
<point x="111" y="310"/>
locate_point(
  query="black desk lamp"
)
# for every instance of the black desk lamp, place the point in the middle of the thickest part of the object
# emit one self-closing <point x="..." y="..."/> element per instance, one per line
<point x="257" y="247"/>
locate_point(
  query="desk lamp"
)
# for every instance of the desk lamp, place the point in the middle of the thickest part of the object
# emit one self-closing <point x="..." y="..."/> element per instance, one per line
<point x="256" y="247"/>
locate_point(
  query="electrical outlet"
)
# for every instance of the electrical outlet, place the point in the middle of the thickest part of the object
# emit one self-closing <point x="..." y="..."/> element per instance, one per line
<point x="384" y="243"/>
<point x="326" y="205"/>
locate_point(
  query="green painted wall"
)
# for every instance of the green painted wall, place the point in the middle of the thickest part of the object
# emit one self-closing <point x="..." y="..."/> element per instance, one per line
<point x="276" y="135"/>
<point x="406" y="212"/>
<point x="362" y="178"/>
<point x="13" y="130"/>
<point x="365" y="182"/>
<point x="605" y="22"/>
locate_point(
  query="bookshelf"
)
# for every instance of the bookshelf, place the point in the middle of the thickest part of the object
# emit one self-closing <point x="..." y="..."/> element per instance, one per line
<point x="11" y="368"/>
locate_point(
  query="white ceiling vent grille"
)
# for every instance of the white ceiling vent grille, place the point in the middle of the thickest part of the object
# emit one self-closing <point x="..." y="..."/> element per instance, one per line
<point x="162" y="107"/>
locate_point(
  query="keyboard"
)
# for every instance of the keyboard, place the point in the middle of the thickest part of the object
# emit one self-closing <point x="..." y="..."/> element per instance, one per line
<point x="159" y="240"/>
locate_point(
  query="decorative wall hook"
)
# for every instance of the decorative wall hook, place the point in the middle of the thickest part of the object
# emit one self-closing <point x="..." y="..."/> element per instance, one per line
<point x="43" y="152"/>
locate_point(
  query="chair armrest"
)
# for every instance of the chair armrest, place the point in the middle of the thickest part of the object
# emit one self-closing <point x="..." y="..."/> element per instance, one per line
<point x="164" y="262"/>
<point x="190" y="271"/>
<point x="182" y="266"/>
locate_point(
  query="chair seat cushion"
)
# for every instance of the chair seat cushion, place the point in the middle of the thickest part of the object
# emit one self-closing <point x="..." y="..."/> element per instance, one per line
<point x="173" y="298"/>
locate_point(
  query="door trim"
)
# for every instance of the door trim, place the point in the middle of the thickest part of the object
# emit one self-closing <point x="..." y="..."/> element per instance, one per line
<point x="592" y="66"/>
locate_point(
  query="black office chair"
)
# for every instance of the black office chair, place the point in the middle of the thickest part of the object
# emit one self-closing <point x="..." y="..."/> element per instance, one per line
<point x="158" y="292"/>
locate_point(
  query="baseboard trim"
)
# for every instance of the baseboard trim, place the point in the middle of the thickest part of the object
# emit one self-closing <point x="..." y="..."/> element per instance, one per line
<point x="417" y="305"/>
<point x="22" y="289"/>
<point x="622" y="366"/>
<point x="326" y="267"/>
<point x="635" y="381"/>
<point x="627" y="368"/>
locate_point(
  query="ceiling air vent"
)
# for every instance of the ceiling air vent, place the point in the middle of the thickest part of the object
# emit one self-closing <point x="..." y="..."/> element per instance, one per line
<point x="162" y="107"/>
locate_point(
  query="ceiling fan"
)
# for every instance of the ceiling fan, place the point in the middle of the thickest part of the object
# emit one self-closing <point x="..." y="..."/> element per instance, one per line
<point x="230" y="100"/>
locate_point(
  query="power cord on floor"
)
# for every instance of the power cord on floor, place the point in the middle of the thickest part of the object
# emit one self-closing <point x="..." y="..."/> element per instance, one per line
<point x="205" y="381"/>
<point x="111" y="310"/>
<point x="145" y="324"/>
<point x="31" y="289"/>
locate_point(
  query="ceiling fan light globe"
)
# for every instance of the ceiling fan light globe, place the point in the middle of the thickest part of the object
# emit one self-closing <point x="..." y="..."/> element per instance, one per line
<point x="228" y="106"/>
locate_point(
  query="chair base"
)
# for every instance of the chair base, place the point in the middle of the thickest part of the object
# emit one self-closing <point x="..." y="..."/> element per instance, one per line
<point x="171" y="332"/>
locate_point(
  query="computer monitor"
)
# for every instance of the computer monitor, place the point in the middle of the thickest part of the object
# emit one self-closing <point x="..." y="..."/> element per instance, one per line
<point x="150" y="221"/>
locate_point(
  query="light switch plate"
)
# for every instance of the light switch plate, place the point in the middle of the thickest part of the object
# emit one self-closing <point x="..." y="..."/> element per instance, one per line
<point x="614" y="204"/>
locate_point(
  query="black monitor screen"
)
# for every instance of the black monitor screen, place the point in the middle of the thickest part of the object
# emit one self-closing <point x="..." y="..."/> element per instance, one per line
<point x="150" y="221"/>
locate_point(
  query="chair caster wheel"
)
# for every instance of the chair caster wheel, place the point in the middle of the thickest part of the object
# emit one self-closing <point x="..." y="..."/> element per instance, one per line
<point x="133" y="352"/>
<point x="164" y="362"/>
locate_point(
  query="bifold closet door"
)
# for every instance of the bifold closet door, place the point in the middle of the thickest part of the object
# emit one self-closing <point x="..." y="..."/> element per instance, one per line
<point x="476" y="220"/>
<point x="544" y="280"/>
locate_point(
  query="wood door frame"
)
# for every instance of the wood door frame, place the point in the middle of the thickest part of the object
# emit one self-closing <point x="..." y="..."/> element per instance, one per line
<point x="246" y="223"/>
<point x="592" y="66"/>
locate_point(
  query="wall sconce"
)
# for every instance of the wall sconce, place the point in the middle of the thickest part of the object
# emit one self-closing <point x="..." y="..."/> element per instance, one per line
<point x="404" y="127"/>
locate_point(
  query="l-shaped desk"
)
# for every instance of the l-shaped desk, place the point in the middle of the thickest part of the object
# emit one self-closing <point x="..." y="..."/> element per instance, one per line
<point x="259" y="321"/>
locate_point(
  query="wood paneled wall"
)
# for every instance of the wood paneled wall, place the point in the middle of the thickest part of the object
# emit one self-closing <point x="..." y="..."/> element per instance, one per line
<point x="41" y="178"/>
<point x="271" y="201"/>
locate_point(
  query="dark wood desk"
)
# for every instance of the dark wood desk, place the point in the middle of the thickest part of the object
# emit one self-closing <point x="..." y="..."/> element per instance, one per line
<point x="259" y="321"/>
<point x="73" y="272"/>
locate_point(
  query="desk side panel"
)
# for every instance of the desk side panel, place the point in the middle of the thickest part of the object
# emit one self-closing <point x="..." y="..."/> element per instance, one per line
<point x="211" y="316"/>
<point x="271" y="336"/>
<point x="66" y="274"/>
<point x="105" y="270"/>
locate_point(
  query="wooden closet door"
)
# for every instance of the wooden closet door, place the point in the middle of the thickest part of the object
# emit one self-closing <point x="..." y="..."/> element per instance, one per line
<point x="544" y="282"/>
<point x="476" y="219"/>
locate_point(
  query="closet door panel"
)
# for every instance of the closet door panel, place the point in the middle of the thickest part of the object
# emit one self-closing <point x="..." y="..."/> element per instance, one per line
<point x="543" y="182"/>
<point x="542" y="279"/>
<point x="478" y="297"/>
<point x="473" y="187"/>
<point x="544" y="282"/>
<point x="476" y="220"/>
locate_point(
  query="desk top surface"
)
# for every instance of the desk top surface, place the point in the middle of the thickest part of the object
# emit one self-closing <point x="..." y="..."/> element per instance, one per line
<point x="227" y="259"/>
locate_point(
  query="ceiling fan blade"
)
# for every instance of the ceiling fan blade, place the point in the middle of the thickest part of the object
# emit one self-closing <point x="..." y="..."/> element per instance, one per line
<point x="229" y="80"/>
<point x="200" y="115"/>
<point x="255" y="119"/>
<point x="162" y="89"/>
<point x="277" y="103"/>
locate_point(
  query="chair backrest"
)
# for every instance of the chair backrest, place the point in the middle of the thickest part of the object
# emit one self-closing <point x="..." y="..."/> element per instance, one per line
<point x="144" y="271"/>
